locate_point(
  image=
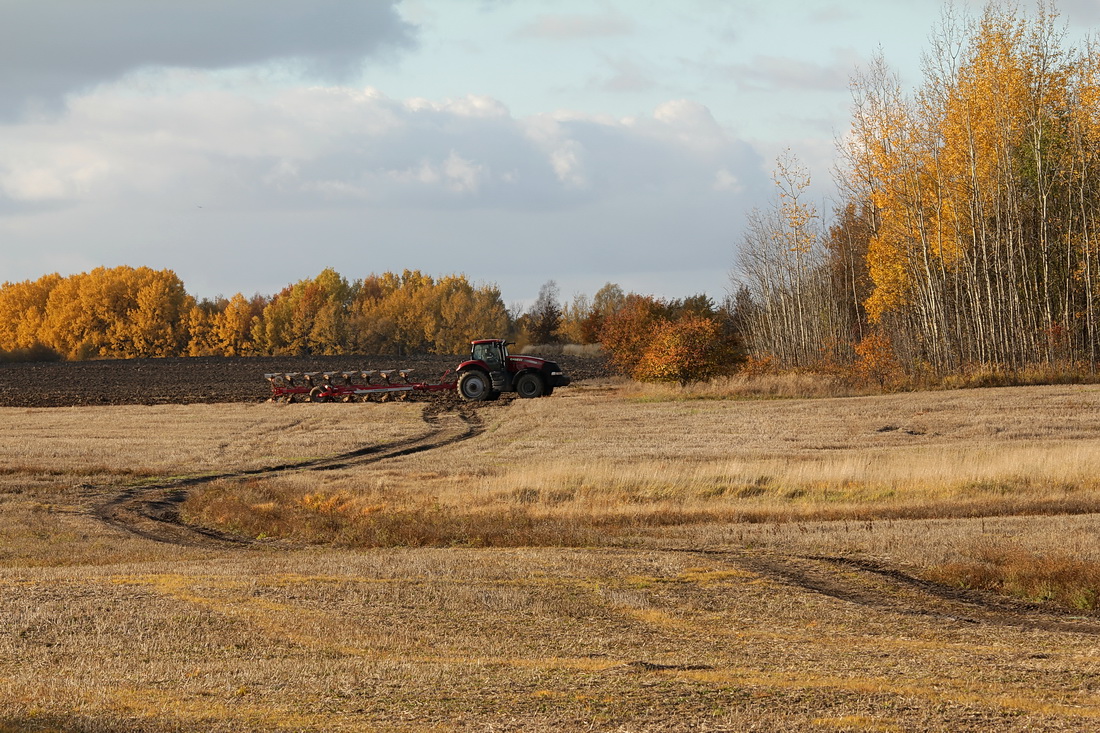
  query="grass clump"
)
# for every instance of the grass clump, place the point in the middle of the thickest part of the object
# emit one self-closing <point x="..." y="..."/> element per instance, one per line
<point x="1042" y="578"/>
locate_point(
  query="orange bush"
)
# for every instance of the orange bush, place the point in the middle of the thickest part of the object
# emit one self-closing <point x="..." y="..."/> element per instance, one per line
<point x="687" y="350"/>
<point x="626" y="333"/>
<point x="876" y="362"/>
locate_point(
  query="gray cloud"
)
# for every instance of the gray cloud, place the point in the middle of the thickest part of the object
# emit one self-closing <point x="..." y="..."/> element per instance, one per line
<point x="785" y="73"/>
<point x="570" y="27"/>
<point x="626" y="75"/>
<point x="10" y="206"/>
<point x="831" y="14"/>
<point x="50" y="48"/>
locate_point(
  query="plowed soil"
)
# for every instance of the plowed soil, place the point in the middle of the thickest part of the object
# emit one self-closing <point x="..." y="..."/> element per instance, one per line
<point x="206" y="379"/>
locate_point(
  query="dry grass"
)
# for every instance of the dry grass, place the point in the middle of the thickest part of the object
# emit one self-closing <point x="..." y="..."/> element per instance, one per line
<point x="598" y="466"/>
<point x="54" y="461"/>
<point x="535" y="639"/>
<point x="752" y="386"/>
<point x="183" y="439"/>
<point x="1056" y="576"/>
<point x="754" y="382"/>
<point x="671" y="614"/>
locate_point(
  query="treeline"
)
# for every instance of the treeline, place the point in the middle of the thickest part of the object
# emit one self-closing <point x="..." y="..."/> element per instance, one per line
<point x="967" y="231"/>
<point x="125" y="312"/>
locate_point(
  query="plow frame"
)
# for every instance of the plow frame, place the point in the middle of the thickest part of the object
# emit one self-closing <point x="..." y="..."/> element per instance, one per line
<point x="351" y="385"/>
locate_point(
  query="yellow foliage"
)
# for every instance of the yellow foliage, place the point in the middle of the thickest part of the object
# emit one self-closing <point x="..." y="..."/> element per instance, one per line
<point x="414" y="312"/>
<point x="115" y="312"/>
<point x="22" y="311"/>
<point x="937" y="168"/>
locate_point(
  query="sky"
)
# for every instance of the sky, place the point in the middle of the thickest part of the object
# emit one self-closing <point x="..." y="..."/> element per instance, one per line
<point x="250" y="144"/>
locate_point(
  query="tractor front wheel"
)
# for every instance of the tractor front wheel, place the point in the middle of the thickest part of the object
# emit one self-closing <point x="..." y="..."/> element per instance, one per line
<point x="529" y="385"/>
<point x="474" y="386"/>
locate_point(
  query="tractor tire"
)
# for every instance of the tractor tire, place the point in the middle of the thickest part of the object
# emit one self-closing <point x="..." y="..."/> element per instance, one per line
<point x="316" y="395"/>
<point x="530" y="385"/>
<point x="474" y="386"/>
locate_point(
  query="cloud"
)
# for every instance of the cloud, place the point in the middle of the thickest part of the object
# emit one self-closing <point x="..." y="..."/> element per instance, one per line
<point x="626" y="76"/>
<point x="831" y="14"/>
<point x="785" y="73"/>
<point x="337" y="146"/>
<point x="365" y="182"/>
<point x="50" y="48"/>
<point x="577" y="26"/>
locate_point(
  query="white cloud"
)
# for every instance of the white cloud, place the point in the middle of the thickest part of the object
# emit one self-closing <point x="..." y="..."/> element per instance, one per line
<point x="568" y="162"/>
<point x="691" y="123"/>
<point x="462" y="176"/>
<point x="338" y="143"/>
<point x="724" y="180"/>
<point x="253" y="183"/>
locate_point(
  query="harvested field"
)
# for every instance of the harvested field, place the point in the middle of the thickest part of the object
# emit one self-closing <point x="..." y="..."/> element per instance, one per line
<point x="662" y="565"/>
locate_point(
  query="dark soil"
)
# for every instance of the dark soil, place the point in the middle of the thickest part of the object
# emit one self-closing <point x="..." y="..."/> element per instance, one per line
<point x="207" y="379"/>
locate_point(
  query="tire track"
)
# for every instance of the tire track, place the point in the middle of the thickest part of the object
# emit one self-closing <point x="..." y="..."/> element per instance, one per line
<point x="151" y="510"/>
<point x="885" y="588"/>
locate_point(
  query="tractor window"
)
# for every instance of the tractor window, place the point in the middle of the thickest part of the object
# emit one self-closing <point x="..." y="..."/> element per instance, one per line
<point x="488" y="353"/>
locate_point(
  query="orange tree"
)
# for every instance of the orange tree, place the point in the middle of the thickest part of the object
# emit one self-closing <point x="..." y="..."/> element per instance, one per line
<point x="669" y="341"/>
<point x="689" y="349"/>
<point x="625" y="333"/>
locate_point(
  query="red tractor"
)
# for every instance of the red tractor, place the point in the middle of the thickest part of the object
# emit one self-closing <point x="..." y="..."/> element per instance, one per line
<point x="491" y="370"/>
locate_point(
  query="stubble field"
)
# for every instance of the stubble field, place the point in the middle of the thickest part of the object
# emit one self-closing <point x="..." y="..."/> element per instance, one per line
<point x="608" y="558"/>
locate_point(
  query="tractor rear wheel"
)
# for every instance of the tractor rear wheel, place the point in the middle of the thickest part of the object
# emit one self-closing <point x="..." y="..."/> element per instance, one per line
<point x="529" y="385"/>
<point x="474" y="385"/>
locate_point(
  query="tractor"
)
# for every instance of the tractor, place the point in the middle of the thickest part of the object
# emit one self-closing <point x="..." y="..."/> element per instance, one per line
<point x="491" y="370"/>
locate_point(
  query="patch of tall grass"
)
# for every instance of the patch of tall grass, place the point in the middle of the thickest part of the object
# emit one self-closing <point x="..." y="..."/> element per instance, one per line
<point x="1011" y="570"/>
<point x="841" y="381"/>
<point x="573" y="513"/>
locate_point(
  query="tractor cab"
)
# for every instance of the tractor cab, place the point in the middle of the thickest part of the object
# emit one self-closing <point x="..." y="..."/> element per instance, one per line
<point x="492" y="352"/>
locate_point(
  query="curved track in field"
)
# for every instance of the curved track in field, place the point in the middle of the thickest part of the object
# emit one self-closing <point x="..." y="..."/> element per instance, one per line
<point x="151" y="510"/>
<point x="887" y="588"/>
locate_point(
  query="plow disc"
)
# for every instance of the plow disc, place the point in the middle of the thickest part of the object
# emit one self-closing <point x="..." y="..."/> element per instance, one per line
<point x="372" y="385"/>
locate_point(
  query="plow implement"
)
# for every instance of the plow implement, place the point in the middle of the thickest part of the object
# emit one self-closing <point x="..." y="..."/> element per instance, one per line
<point x="350" y="386"/>
<point x="489" y="372"/>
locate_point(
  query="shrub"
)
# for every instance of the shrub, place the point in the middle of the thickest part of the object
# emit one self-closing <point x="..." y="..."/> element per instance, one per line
<point x="1061" y="579"/>
<point x="687" y="350"/>
<point x="876" y="362"/>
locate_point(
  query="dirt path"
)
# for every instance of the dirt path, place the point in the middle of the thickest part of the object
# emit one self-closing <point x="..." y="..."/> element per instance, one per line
<point x="151" y="510"/>
<point x="884" y="588"/>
